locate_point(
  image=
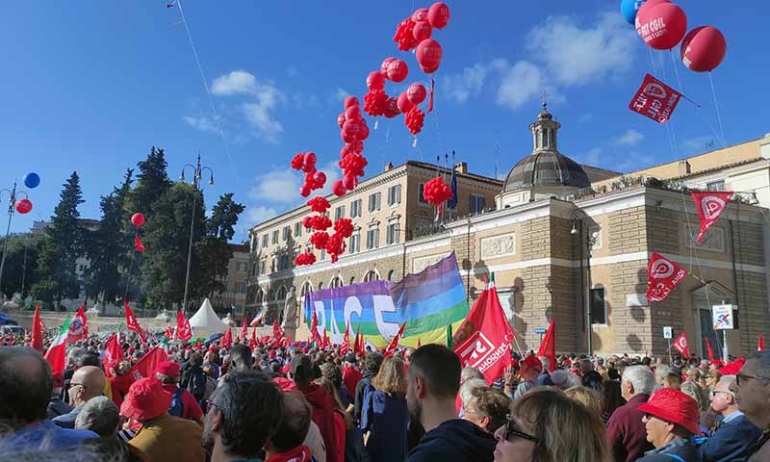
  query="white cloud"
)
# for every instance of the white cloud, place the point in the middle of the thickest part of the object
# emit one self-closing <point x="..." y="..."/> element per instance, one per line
<point x="339" y="95"/>
<point x="520" y="84"/>
<point x="257" y="215"/>
<point x="631" y="137"/>
<point x="203" y="124"/>
<point x="575" y="55"/>
<point x="234" y="83"/>
<point x="278" y="186"/>
<point x="698" y="144"/>
<point x="592" y="157"/>
<point x="469" y="82"/>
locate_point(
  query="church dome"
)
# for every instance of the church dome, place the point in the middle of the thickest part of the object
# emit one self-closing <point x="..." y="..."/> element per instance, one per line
<point x="546" y="169"/>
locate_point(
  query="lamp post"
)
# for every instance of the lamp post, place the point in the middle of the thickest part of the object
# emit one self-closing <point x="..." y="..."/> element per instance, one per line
<point x="196" y="183"/>
<point x="586" y="242"/>
<point x="11" y="202"/>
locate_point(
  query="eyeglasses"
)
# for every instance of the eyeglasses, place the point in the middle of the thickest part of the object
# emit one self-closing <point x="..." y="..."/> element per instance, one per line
<point x="511" y="431"/>
<point x="742" y="378"/>
<point x="78" y="385"/>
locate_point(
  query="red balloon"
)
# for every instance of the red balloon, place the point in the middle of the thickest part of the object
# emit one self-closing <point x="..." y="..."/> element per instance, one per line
<point x="319" y="178"/>
<point x="304" y="190"/>
<point x="703" y="49"/>
<point x="137" y="219"/>
<point x="391" y="110"/>
<point x="310" y="160"/>
<point x="422" y="30"/>
<point x="348" y="136"/>
<point x="661" y="25"/>
<point x="349" y="182"/>
<point x="398" y="70"/>
<point x="375" y="80"/>
<point x="339" y="189"/>
<point x="353" y="113"/>
<point x="341" y="119"/>
<point x="351" y="101"/>
<point x="416" y="93"/>
<point x="24" y="206"/>
<point x="384" y="66"/>
<point x="429" y="55"/>
<point x="363" y="132"/>
<point x="420" y="14"/>
<point x="438" y="15"/>
<point x="404" y="105"/>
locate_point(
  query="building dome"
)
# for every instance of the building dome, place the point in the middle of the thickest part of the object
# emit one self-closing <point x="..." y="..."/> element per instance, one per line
<point x="546" y="169"/>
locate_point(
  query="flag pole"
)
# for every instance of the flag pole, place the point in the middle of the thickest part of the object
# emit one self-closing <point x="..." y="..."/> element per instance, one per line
<point x="130" y="269"/>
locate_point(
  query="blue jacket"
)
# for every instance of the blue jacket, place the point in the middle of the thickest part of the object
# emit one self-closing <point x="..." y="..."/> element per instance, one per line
<point x="731" y="442"/>
<point x="387" y="418"/>
<point x="457" y="441"/>
<point x="33" y="436"/>
<point x="679" y="450"/>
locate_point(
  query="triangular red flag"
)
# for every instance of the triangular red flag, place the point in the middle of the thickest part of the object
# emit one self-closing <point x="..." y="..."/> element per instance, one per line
<point x="138" y="243"/>
<point x="132" y="324"/>
<point x="244" y="330"/>
<point x="663" y="276"/>
<point x="146" y="366"/>
<point x="183" y="329"/>
<point x="484" y="338"/>
<point x="430" y="100"/>
<point x="394" y="341"/>
<point x="709" y="205"/>
<point x="548" y="345"/>
<point x="113" y="353"/>
<point x="680" y="345"/>
<point x="761" y="343"/>
<point x="38" y="330"/>
<point x="227" y="340"/>
<point x="709" y="351"/>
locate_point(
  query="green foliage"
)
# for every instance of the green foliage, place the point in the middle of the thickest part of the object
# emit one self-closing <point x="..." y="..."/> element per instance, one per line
<point x="19" y="269"/>
<point x="153" y="183"/>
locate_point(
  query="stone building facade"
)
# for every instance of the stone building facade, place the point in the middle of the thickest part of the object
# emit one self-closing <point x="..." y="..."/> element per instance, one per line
<point x="565" y="243"/>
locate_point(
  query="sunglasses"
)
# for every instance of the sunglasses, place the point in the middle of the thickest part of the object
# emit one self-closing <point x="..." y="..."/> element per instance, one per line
<point x="511" y="431"/>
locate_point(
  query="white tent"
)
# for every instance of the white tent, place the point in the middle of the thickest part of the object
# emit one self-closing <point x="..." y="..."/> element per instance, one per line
<point x="205" y="321"/>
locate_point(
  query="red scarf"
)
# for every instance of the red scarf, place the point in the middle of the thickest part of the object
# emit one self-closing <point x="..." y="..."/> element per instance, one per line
<point x="298" y="454"/>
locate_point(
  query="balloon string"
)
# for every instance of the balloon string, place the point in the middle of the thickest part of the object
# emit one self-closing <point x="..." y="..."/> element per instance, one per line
<point x="681" y="90"/>
<point x="716" y="106"/>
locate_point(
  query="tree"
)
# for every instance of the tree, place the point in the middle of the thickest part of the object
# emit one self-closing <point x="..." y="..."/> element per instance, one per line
<point x="153" y="182"/>
<point x="57" y="263"/>
<point x="215" y="253"/>
<point x="19" y="272"/>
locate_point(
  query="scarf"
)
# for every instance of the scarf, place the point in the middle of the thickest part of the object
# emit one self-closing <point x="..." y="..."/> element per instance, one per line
<point x="299" y="454"/>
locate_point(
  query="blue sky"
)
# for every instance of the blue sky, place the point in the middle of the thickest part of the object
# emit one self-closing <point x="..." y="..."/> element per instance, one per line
<point x="91" y="85"/>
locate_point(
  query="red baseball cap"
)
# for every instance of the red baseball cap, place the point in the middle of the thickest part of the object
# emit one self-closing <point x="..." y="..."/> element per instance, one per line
<point x="169" y="369"/>
<point x="285" y="384"/>
<point x="533" y="363"/>
<point x="146" y="399"/>
<point x="675" y="407"/>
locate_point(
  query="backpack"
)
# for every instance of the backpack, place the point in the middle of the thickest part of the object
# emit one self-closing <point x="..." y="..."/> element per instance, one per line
<point x="196" y="383"/>
<point x="177" y="408"/>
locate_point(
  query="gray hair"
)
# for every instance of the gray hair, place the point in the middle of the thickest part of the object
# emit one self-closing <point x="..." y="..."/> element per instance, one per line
<point x="465" y="389"/>
<point x="100" y="415"/>
<point x="74" y="354"/>
<point x="469" y="373"/>
<point x="663" y="370"/>
<point x="564" y="379"/>
<point x="545" y="362"/>
<point x="726" y="381"/>
<point x="641" y="378"/>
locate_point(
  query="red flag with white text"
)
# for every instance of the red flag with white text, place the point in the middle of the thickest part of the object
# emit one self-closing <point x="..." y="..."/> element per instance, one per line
<point x="709" y="205"/>
<point x="663" y="276"/>
<point x="183" y="329"/>
<point x="132" y="324"/>
<point x="79" y="325"/>
<point x="146" y="366"/>
<point x="655" y="100"/>
<point x="680" y="345"/>
<point x="394" y="341"/>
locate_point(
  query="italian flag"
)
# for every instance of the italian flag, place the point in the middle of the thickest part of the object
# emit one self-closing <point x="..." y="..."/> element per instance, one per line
<point x="57" y="352"/>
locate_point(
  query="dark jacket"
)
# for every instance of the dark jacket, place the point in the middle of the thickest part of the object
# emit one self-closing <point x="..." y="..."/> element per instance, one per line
<point x="457" y="441"/>
<point x="358" y="399"/>
<point x="626" y="434"/>
<point x="679" y="450"/>
<point x="731" y="442"/>
<point x="387" y="419"/>
<point x="323" y="413"/>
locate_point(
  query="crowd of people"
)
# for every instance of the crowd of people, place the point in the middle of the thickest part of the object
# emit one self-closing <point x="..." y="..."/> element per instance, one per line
<point x="301" y="404"/>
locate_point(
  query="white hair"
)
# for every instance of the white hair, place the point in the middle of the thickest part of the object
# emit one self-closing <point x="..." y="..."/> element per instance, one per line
<point x="663" y="370"/>
<point x="465" y="389"/>
<point x="564" y="379"/>
<point x="641" y="379"/>
<point x="545" y="362"/>
<point x="99" y="415"/>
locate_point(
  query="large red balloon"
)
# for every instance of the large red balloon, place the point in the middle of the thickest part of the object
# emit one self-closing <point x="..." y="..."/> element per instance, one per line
<point x="391" y="110"/>
<point x="416" y="93"/>
<point x="420" y="14"/>
<point x="703" y="49"/>
<point x="352" y="113"/>
<point x="349" y="182"/>
<point x="438" y="15"/>
<point x="404" y="105"/>
<point x="661" y="25"/>
<point x="429" y="55"/>
<point x="385" y="65"/>
<point x="422" y="30"/>
<point x="338" y="188"/>
<point x="24" y="206"/>
<point x="398" y="70"/>
<point x="304" y="190"/>
<point x="137" y="219"/>
<point x="375" y="81"/>
<point x="351" y="101"/>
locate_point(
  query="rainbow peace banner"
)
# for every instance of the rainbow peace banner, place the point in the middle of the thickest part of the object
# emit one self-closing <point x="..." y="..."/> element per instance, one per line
<point x="428" y="302"/>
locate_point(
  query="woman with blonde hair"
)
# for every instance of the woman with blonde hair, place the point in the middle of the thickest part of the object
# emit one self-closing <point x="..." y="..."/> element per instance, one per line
<point x="585" y="396"/>
<point x="384" y="413"/>
<point x="546" y="425"/>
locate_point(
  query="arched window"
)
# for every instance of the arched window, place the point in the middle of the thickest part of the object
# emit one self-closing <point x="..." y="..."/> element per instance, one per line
<point x="336" y="282"/>
<point x="352" y="280"/>
<point x="307" y="288"/>
<point x="320" y="285"/>
<point x="372" y="275"/>
<point x="391" y="275"/>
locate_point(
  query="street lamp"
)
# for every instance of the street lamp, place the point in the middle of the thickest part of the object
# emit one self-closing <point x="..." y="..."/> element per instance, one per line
<point x="586" y="244"/>
<point x="11" y="203"/>
<point x="196" y="183"/>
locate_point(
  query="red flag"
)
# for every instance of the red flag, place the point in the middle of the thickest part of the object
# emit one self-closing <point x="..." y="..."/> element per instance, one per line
<point x="169" y="332"/>
<point x="361" y="343"/>
<point x="430" y="100"/>
<point x="484" y="338"/>
<point x="345" y="340"/>
<point x="113" y="353"/>
<point x="709" y="351"/>
<point x="146" y="366"/>
<point x="655" y="100"/>
<point x="680" y="345"/>
<point x="394" y="341"/>
<point x="277" y="331"/>
<point x="253" y="341"/>
<point x="663" y="276"/>
<point x="38" y="329"/>
<point x="244" y="330"/>
<point x="419" y="343"/>
<point x="709" y="205"/>
<point x="138" y="243"/>
<point x="761" y="343"/>
<point x="183" y="329"/>
<point x="315" y="336"/>
<point x="132" y="324"/>
<point x="198" y="345"/>
<point x="227" y="340"/>
<point x="548" y="345"/>
<point x="79" y="326"/>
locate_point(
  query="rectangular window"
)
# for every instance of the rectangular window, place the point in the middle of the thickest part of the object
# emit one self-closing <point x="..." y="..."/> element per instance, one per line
<point x="355" y="208"/>
<point x="374" y="202"/>
<point x="393" y="233"/>
<point x="275" y="237"/>
<point x="242" y="265"/>
<point x="716" y="186"/>
<point x="394" y="195"/>
<point x="264" y="240"/>
<point x="372" y="238"/>
<point x="297" y="229"/>
<point x="598" y="309"/>
<point x="262" y="267"/>
<point x="477" y="204"/>
<point x="286" y="231"/>
<point x="240" y="288"/>
<point x="323" y="255"/>
<point x="339" y="212"/>
<point x="355" y="242"/>
<point x="420" y="191"/>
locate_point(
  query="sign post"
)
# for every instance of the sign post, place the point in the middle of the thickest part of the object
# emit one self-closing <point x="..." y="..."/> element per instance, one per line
<point x="722" y="315"/>
<point x="541" y="331"/>
<point x="668" y="334"/>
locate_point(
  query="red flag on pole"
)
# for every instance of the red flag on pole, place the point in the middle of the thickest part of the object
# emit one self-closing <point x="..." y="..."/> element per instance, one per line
<point x="227" y="340"/>
<point x="183" y="329"/>
<point x="761" y="343"/>
<point x="709" y="351"/>
<point x="132" y="324"/>
<point x="79" y="326"/>
<point x="244" y="330"/>
<point x="38" y="329"/>
<point x="432" y="89"/>
<point x="663" y="276"/>
<point x="548" y="345"/>
<point x="709" y="205"/>
<point x="253" y="341"/>
<point x="345" y="340"/>
<point x="484" y="339"/>
<point x="113" y="353"/>
<point x="680" y="345"/>
<point x="394" y="341"/>
<point x="655" y="100"/>
<point x="315" y="337"/>
<point x="138" y="243"/>
<point x="149" y="362"/>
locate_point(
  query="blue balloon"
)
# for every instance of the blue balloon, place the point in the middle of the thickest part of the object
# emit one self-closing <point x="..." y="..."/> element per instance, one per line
<point x="31" y="180"/>
<point x="628" y="9"/>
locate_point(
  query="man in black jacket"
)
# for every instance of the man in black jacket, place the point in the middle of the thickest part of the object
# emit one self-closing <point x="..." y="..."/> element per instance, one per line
<point x="372" y="365"/>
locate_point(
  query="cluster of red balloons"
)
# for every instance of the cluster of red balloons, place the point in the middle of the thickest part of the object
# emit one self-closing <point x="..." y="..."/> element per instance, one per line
<point x="305" y="258"/>
<point x="416" y="31"/>
<point x="319" y="239"/>
<point x="436" y="192"/>
<point x="23" y="206"/>
<point x="663" y="24"/>
<point x="318" y="204"/>
<point x="137" y="220"/>
<point x="314" y="178"/>
<point x="317" y="222"/>
<point x="354" y="131"/>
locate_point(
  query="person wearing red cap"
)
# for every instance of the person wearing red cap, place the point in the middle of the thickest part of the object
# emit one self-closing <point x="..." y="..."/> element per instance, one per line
<point x="531" y="367"/>
<point x="183" y="403"/>
<point x="162" y="436"/>
<point x="671" y="420"/>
